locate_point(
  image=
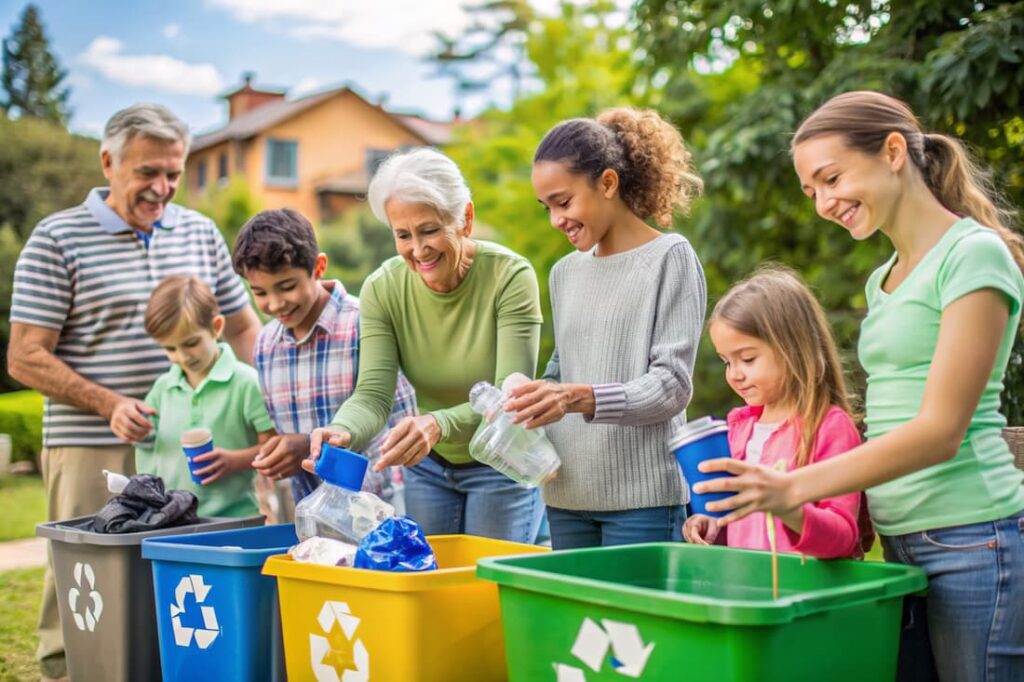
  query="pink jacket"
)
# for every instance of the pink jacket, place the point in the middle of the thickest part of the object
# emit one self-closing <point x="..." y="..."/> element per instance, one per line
<point x="830" y="526"/>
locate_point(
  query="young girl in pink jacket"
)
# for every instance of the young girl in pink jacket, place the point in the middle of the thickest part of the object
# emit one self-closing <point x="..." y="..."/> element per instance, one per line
<point x="780" y="357"/>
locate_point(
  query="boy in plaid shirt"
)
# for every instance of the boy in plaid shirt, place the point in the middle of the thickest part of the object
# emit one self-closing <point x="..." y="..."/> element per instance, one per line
<point x="307" y="357"/>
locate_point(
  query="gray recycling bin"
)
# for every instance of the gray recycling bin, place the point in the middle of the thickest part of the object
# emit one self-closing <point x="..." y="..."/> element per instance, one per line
<point x="105" y="592"/>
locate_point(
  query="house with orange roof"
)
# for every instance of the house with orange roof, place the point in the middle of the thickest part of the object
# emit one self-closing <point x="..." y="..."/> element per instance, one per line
<point x="315" y="154"/>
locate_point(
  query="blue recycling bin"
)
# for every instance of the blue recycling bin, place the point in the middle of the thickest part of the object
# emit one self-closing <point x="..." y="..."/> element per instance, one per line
<point x="217" y="615"/>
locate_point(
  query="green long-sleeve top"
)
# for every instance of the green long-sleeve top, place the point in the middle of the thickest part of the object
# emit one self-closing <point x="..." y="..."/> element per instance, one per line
<point x="485" y="329"/>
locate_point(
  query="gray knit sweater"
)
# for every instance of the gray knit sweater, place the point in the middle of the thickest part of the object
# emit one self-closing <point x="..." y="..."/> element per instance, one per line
<point x="629" y="325"/>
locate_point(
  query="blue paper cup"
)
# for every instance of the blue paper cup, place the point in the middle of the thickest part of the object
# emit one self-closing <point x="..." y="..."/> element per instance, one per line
<point x="195" y="442"/>
<point x="698" y="441"/>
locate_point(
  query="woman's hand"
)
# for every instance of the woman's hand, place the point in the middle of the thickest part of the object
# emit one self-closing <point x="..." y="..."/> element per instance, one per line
<point x="543" y="402"/>
<point x="758" y="489"/>
<point x="220" y="462"/>
<point x="409" y="442"/>
<point x="700" y="529"/>
<point x="327" y="434"/>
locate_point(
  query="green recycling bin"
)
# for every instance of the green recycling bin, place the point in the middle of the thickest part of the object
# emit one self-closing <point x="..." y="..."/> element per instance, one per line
<point x="105" y="593"/>
<point x="673" y="611"/>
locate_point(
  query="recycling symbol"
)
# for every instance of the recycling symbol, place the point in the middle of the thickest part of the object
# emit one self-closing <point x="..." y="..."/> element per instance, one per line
<point x="92" y="611"/>
<point x="183" y="635"/>
<point x="629" y="654"/>
<point x="338" y="650"/>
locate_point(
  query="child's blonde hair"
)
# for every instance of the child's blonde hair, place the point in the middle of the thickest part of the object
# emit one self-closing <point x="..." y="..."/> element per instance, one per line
<point x="775" y="306"/>
<point x="177" y="298"/>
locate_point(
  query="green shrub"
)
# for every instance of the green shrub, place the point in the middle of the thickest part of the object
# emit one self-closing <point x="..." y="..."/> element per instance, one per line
<point x="21" y="416"/>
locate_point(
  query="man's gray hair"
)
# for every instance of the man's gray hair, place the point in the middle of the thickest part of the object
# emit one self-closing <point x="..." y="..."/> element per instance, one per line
<point x="421" y="176"/>
<point x="151" y="120"/>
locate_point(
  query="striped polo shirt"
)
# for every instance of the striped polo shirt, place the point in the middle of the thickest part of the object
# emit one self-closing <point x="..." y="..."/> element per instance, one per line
<point x="86" y="273"/>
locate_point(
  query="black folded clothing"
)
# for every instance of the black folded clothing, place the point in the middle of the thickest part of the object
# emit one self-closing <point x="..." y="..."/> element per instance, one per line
<point x="145" y="505"/>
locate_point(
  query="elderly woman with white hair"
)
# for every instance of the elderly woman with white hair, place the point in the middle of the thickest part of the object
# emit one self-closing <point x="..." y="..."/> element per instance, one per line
<point x="448" y="311"/>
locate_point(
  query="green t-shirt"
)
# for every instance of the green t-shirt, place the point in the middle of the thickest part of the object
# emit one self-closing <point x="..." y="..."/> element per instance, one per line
<point x="897" y="343"/>
<point x="484" y="330"/>
<point x="229" y="403"/>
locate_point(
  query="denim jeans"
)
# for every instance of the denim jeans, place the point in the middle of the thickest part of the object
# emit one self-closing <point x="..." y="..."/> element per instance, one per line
<point x="475" y="501"/>
<point x="572" y="529"/>
<point x="969" y="627"/>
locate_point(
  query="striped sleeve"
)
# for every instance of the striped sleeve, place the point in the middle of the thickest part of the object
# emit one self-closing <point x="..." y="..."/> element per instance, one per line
<point x="42" y="284"/>
<point x="231" y="294"/>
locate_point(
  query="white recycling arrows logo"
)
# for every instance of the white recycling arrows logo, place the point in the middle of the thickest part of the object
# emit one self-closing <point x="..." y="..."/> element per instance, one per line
<point x="348" y="654"/>
<point x="94" y="609"/>
<point x="629" y="654"/>
<point x="205" y="635"/>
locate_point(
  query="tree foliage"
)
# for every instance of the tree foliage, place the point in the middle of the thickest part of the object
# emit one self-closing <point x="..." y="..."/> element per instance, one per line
<point x="581" y="61"/>
<point x="32" y="79"/>
<point x="43" y="169"/>
<point x="737" y="78"/>
<point x="741" y="76"/>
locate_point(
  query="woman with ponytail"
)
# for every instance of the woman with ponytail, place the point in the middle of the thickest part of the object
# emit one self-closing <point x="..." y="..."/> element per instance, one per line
<point x="628" y="309"/>
<point x="943" y="313"/>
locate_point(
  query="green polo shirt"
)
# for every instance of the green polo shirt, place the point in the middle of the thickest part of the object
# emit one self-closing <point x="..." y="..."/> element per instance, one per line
<point x="229" y="403"/>
<point x="897" y="341"/>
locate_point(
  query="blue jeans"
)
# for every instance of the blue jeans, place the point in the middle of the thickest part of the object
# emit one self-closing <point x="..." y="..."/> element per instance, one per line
<point x="475" y="501"/>
<point x="572" y="529"/>
<point x="969" y="627"/>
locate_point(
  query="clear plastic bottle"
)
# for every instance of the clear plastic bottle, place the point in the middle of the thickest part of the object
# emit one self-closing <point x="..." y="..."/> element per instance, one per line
<point x="524" y="455"/>
<point x="337" y="508"/>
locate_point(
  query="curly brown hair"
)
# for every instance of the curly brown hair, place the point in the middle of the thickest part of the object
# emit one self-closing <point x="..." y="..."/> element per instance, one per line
<point x="656" y="172"/>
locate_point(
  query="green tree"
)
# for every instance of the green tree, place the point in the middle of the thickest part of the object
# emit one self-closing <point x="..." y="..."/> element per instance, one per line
<point x="741" y="75"/>
<point x="229" y="206"/>
<point x="356" y="244"/>
<point x="43" y="169"/>
<point x="581" y="62"/>
<point x="32" y="79"/>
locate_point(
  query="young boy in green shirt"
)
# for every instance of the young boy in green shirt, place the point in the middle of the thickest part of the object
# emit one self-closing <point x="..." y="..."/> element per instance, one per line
<point x="206" y="387"/>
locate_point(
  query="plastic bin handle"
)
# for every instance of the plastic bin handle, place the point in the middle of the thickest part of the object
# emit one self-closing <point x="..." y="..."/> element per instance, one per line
<point x="872" y="591"/>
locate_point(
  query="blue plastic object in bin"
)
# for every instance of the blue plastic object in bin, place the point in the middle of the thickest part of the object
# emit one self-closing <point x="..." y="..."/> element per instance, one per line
<point x="217" y="616"/>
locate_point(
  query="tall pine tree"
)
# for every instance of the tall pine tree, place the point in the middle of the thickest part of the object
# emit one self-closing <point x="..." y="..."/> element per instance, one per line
<point x="32" y="79"/>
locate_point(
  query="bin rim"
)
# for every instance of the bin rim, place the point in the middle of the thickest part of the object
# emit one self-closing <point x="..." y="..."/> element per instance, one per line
<point x="896" y="580"/>
<point x="66" y="532"/>
<point x="181" y="548"/>
<point x="283" y="566"/>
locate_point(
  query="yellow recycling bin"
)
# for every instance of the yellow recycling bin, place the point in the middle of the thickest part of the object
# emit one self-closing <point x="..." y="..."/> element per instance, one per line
<point x="358" y="625"/>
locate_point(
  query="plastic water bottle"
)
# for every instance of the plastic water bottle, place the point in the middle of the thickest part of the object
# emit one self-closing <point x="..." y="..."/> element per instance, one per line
<point x="524" y="455"/>
<point x="337" y="508"/>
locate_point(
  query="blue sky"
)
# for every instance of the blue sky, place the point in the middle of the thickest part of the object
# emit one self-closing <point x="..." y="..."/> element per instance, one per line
<point x="182" y="54"/>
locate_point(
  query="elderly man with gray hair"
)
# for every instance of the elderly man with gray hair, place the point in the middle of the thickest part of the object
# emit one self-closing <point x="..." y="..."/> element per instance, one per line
<point x="81" y="286"/>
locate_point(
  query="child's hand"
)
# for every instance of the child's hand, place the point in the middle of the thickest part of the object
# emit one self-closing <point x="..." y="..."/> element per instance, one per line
<point x="223" y="463"/>
<point x="281" y="456"/>
<point x="700" y="529"/>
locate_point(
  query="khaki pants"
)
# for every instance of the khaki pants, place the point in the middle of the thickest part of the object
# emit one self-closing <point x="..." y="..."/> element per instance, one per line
<point x="75" y="486"/>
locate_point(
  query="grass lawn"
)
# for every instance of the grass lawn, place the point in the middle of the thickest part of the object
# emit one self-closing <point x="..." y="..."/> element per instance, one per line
<point x="19" y="608"/>
<point x="22" y="506"/>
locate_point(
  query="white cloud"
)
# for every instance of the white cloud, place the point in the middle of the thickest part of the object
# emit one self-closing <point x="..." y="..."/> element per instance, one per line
<point x="156" y="71"/>
<point x="172" y="30"/>
<point x="304" y="87"/>
<point x="398" y="24"/>
<point x="406" y="25"/>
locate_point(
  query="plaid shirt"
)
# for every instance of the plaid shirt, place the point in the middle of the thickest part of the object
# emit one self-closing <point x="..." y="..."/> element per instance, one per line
<point x="305" y="381"/>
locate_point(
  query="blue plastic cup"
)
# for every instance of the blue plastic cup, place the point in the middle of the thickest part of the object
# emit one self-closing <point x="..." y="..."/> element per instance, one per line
<point x="697" y="441"/>
<point x="195" y="442"/>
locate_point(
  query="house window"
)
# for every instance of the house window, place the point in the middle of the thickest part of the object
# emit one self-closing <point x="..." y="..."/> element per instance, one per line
<point x="282" y="162"/>
<point x="201" y="174"/>
<point x="374" y="158"/>
<point x="222" y="166"/>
